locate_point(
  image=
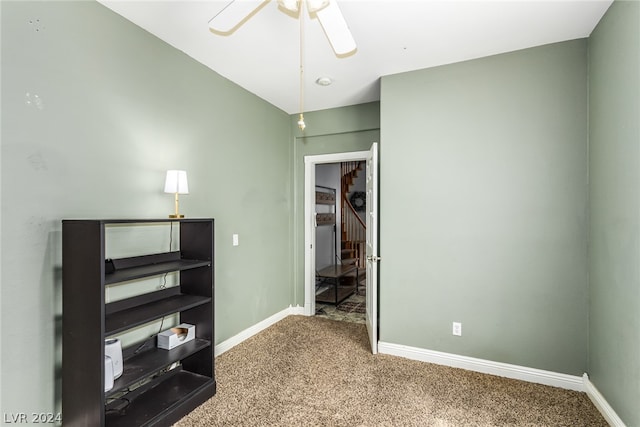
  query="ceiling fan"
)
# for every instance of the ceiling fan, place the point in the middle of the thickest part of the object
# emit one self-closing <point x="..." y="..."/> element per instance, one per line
<point x="327" y="11"/>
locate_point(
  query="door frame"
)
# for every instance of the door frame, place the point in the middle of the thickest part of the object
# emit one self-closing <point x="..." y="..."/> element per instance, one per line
<point x="310" y="163"/>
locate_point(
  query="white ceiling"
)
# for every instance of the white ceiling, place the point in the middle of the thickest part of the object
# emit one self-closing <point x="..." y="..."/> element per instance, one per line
<point x="393" y="36"/>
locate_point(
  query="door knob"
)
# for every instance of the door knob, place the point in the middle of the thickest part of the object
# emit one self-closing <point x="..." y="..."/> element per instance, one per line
<point x="373" y="258"/>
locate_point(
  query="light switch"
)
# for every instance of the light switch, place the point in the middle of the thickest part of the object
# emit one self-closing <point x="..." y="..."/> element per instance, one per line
<point x="235" y="240"/>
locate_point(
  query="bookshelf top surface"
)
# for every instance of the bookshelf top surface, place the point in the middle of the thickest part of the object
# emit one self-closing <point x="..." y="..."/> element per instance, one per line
<point x="138" y="221"/>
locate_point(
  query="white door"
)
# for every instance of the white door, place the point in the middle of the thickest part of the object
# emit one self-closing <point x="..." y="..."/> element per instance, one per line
<point x="372" y="247"/>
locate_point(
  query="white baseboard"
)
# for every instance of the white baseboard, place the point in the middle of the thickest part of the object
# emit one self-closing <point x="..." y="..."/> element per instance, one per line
<point x="555" y="379"/>
<point x="258" y="327"/>
<point x="523" y="373"/>
<point x="601" y="403"/>
<point x="297" y="310"/>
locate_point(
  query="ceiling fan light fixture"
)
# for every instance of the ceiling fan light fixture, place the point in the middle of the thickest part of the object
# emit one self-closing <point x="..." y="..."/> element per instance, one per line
<point x="290" y="5"/>
<point x="316" y="5"/>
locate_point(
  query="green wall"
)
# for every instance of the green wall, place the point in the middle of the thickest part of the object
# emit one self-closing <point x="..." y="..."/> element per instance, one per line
<point x="484" y="191"/>
<point x="115" y="108"/>
<point x="337" y="130"/>
<point x="483" y="216"/>
<point x="614" y="178"/>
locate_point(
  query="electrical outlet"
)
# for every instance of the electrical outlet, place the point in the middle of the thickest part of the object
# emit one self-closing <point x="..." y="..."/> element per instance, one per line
<point x="236" y="241"/>
<point x="457" y="329"/>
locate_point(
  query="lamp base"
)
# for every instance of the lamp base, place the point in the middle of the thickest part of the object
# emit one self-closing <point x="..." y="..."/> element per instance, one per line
<point x="176" y="216"/>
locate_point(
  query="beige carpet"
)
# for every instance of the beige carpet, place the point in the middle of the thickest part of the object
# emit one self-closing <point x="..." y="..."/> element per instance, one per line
<point x="309" y="371"/>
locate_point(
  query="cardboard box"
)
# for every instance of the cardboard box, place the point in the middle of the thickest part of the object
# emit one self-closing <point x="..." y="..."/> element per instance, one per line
<point x="176" y="336"/>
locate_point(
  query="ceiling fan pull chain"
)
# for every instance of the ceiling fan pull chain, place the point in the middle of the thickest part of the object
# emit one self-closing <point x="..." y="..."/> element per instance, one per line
<point x="301" y="123"/>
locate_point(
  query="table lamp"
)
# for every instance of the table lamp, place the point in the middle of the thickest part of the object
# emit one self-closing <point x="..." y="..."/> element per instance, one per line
<point x="176" y="183"/>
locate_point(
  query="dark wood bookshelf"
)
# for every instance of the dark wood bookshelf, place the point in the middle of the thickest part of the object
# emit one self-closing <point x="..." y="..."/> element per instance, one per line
<point x="157" y="386"/>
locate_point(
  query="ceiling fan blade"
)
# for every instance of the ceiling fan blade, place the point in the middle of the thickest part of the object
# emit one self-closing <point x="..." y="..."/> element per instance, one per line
<point x="233" y="15"/>
<point x="336" y="29"/>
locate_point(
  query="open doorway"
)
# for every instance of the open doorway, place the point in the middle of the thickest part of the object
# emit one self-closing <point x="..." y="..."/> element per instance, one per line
<point x="340" y="227"/>
<point x="370" y="253"/>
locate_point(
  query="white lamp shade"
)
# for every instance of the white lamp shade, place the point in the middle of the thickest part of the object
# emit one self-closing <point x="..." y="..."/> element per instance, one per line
<point x="176" y="182"/>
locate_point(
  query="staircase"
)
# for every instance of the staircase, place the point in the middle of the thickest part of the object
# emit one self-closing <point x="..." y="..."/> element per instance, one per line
<point x="353" y="228"/>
